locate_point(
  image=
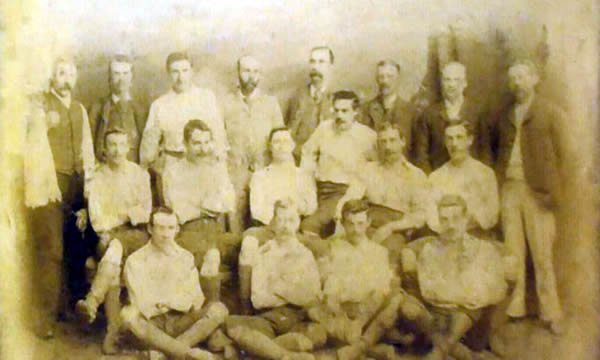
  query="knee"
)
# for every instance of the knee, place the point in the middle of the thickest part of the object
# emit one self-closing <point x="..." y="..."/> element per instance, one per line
<point x="129" y="317"/>
<point x="217" y="311"/>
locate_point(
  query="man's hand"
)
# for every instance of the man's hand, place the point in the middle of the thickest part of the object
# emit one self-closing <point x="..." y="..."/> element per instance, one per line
<point x="82" y="219"/>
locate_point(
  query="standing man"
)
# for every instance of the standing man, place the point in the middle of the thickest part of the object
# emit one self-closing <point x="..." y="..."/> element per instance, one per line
<point x="118" y="110"/>
<point x="163" y="136"/>
<point x="528" y="148"/>
<point x="249" y="118"/>
<point x="474" y="181"/>
<point x="335" y="153"/>
<point x="72" y="150"/>
<point x="430" y="150"/>
<point x="313" y="103"/>
<point x="388" y="106"/>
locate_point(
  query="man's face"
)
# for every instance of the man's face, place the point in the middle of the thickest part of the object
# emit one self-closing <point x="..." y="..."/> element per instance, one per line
<point x="164" y="228"/>
<point x="453" y="82"/>
<point x="200" y="143"/>
<point x="64" y="78"/>
<point x="181" y="75"/>
<point x="389" y="144"/>
<point x="285" y="221"/>
<point x="344" y="113"/>
<point x="453" y="221"/>
<point x="521" y="81"/>
<point x="282" y="145"/>
<point x="116" y="147"/>
<point x="249" y="73"/>
<point x="120" y="77"/>
<point x="387" y="77"/>
<point x="458" y="142"/>
<point x="320" y="65"/>
<point x="356" y="225"/>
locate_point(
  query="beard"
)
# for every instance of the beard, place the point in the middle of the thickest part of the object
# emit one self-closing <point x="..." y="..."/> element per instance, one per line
<point x="249" y="85"/>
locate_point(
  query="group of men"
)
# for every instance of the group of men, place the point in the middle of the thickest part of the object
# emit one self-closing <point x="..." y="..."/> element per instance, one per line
<point x="233" y="226"/>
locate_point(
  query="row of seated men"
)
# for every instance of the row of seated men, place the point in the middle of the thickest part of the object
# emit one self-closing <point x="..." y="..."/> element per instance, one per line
<point x="343" y="153"/>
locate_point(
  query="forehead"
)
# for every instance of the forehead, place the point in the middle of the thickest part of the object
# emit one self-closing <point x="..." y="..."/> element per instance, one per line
<point x="248" y="62"/>
<point x="387" y="69"/>
<point x="64" y="66"/>
<point x="117" y="65"/>
<point x="164" y="219"/>
<point x="388" y="133"/>
<point x="456" y="130"/>
<point x="180" y="64"/>
<point x="343" y="103"/>
<point x="320" y="54"/>
<point x="357" y="217"/>
<point x="281" y="135"/>
<point x="116" y="137"/>
<point x="453" y="71"/>
<point x="199" y="135"/>
<point x="450" y="210"/>
<point x="519" y="69"/>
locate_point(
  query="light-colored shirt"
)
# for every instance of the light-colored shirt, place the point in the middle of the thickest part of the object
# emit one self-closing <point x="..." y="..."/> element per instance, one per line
<point x="279" y="181"/>
<point x="514" y="170"/>
<point x="282" y="273"/>
<point x="248" y="122"/>
<point x="168" y="116"/>
<point x="191" y="188"/>
<point x="355" y="273"/>
<point x="337" y="156"/>
<point x="159" y="281"/>
<point x="476" y="183"/>
<point x="468" y="273"/>
<point x="117" y="196"/>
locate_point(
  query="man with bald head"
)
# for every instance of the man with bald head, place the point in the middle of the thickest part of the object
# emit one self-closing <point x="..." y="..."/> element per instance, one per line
<point x="429" y="148"/>
<point x="312" y="103"/>
<point x="118" y="110"/>
<point x="69" y="137"/>
<point x="388" y="106"/>
<point x="250" y="116"/>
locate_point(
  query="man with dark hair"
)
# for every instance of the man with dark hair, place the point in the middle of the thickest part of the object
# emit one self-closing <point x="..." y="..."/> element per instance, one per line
<point x="70" y="141"/>
<point x="167" y="309"/>
<point x="335" y="153"/>
<point x="281" y="179"/>
<point x="429" y="149"/>
<point x="527" y="147"/>
<point x="388" y="106"/>
<point x="458" y="275"/>
<point x="249" y="117"/>
<point x="119" y="109"/>
<point x="311" y="104"/>
<point x="163" y="135"/>
<point x="119" y="201"/>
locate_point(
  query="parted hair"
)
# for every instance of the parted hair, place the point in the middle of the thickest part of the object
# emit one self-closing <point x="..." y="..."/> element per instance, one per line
<point x="177" y="56"/>
<point x="192" y="125"/>
<point x="449" y="200"/>
<point x="162" y="210"/>
<point x="354" y="207"/>
<point x="347" y="95"/>
<point x="388" y="62"/>
<point x="116" y="130"/>
<point x="324" y="47"/>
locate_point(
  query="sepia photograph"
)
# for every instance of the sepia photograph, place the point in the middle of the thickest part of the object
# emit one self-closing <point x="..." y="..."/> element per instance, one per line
<point x="315" y="180"/>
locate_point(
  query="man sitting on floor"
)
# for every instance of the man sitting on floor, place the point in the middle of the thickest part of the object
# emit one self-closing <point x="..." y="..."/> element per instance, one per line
<point x="167" y="310"/>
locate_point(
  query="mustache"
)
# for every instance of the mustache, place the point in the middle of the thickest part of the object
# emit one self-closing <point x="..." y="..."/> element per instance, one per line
<point x="314" y="73"/>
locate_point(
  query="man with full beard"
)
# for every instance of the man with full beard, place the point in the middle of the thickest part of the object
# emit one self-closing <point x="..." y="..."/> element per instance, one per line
<point x="312" y="103"/>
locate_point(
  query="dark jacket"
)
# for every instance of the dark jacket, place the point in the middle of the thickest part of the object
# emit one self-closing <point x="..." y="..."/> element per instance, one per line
<point x="428" y="141"/>
<point x="129" y="116"/>
<point x="542" y="146"/>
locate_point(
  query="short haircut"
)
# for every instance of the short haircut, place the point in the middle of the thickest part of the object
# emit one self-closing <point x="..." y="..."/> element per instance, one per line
<point x="192" y="125"/>
<point x="239" y="60"/>
<point x="276" y="130"/>
<point x="388" y="63"/>
<point x="354" y="207"/>
<point x="113" y="131"/>
<point x="455" y="64"/>
<point x="162" y="210"/>
<point x="122" y="58"/>
<point x="450" y="200"/>
<point x="285" y="203"/>
<point x="387" y="125"/>
<point x="324" y="47"/>
<point x="63" y="60"/>
<point x="533" y="68"/>
<point x="347" y="95"/>
<point x="468" y="128"/>
<point x="177" y="56"/>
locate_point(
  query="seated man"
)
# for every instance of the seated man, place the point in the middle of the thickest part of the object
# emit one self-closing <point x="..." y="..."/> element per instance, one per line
<point x="281" y="279"/>
<point x="166" y="309"/>
<point x="359" y="286"/>
<point x="458" y="275"/>
<point x="281" y="179"/>
<point x="463" y="175"/>
<point x="119" y="200"/>
<point x="396" y="190"/>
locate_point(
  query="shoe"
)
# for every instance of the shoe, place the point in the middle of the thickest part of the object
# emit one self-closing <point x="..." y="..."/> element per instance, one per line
<point x="86" y="311"/>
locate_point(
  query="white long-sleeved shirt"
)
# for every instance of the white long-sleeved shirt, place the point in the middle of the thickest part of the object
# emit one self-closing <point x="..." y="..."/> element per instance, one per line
<point x="338" y="156"/>
<point x="168" y="116"/>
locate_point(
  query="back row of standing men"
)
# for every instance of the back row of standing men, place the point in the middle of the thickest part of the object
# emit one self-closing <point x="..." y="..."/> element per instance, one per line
<point x="381" y="151"/>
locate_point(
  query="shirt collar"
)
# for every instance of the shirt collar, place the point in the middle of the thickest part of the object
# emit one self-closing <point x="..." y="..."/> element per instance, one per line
<point x="255" y="93"/>
<point x="116" y="98"/>
<point x="65" y="100"/>
<point x="312" y="88"/>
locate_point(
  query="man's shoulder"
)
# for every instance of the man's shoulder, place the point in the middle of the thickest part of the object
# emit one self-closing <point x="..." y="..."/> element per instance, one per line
<point x="479" y="167"/>
<point x="545" y="110"/>
<point x="438" y="173"/>
<point x="138" y="257"/>
<point x="415" y="172"/>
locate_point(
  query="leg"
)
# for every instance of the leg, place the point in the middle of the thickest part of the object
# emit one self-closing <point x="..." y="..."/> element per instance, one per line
<point x="261" y="345"/>
<point x="514" y="238"/>
<point x="320" y="221"/>
<point x="213" y="318"/>
<point x="112" y="307"/>
<point x="541" y="235"/>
